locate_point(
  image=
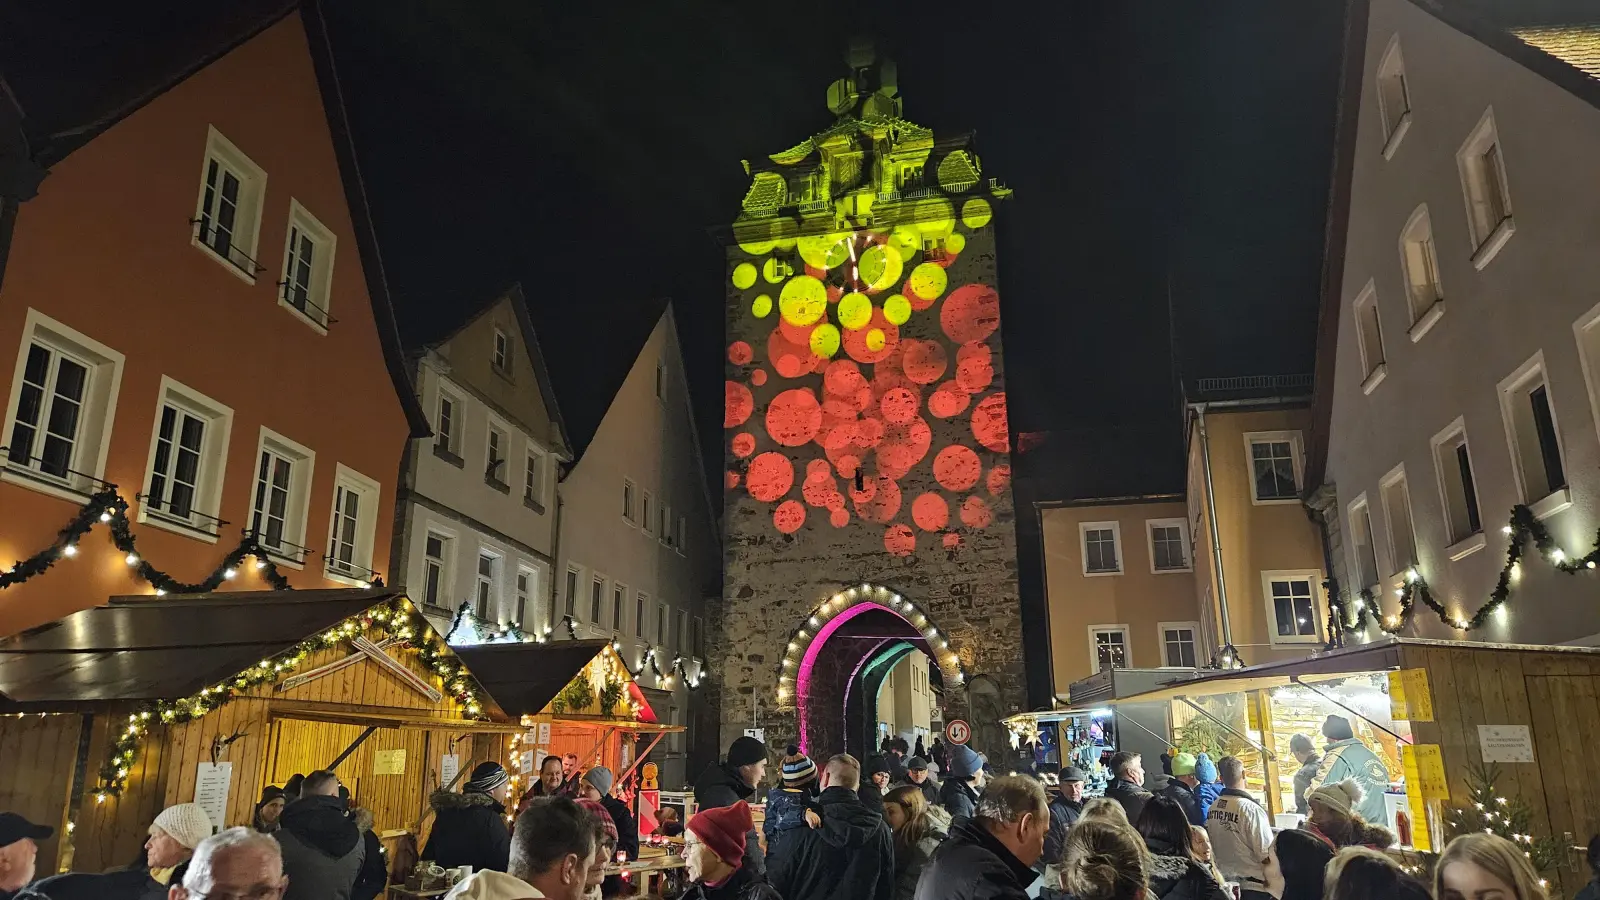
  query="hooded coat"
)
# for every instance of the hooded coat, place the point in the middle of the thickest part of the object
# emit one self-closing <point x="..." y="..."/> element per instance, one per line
<point x="1184" y="795"/>
<point x="1354" y="760"/>
<point x="322" y="849"/>
<point x="722" y="785"/>
<point x="1175" y="877"/>
<point x="469" y="829"/>
<point x="972" y="864"/>
<point x="850" y="857"/>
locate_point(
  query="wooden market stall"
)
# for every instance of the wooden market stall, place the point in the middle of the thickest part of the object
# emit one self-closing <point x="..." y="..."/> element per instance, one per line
<point x="116" y="712"/>
<point x="1434" y="711"/>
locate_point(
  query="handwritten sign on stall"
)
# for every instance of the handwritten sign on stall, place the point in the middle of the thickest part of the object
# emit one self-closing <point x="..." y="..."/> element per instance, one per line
<point x="389" y="762"/>
<point x="1410" y="696"/>
<point x="1427" y="760"/>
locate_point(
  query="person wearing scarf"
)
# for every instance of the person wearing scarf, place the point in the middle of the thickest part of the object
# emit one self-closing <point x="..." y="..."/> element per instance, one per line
<point x="469" y="828"/>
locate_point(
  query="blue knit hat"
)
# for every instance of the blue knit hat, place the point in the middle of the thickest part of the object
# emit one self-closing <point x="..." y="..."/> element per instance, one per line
<point x="1205" y="770"/>
<point x="798" y="769"/>
<point x="964" y="762"/>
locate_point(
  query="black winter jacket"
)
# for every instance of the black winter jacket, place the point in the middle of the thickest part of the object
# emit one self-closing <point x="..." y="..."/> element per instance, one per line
<point x="1064" y="814"/>
<point x="132" y="883"/>
<point x="850" y="857"/>
<point x="742" y="885"/>
<point x="1180" y="878"/>
<point x="958" y="799"/>
<point x="1184" y="795"/>
<point x="1130" y="795"/>
<point x="469" y="829"/>
<point x="373" y="879"/>
<point x="627" y="825"/>
<point x="721" y="785"/>
<point x="973" y="865"/>
<point x="322" y="849"/>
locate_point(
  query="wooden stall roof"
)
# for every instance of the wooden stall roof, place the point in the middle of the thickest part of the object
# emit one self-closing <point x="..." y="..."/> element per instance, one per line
<point x="522" y="678"/>
<point x="1377" y="656"/>
<point x="139" y="648"/>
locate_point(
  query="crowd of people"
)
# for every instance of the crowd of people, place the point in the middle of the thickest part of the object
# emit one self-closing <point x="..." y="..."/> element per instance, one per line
<point x="885" y="829"/>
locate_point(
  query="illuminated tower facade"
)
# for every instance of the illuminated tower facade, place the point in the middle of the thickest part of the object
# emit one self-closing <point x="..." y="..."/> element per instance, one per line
<point x="867" y="480"/>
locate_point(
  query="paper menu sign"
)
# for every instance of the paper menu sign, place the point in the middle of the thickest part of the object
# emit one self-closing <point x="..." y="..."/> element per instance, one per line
<point x="1506" y="743"/>
<point x="389" y="762"/>
<point x="1410" y="696"/>
<point x="449" y="765"/>
<point x="1426" y="763"/>
<point x="211" y="785"/>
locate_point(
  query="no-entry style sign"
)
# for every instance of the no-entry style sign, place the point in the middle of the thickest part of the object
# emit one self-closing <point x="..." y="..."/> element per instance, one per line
<point x="958" y="731"/>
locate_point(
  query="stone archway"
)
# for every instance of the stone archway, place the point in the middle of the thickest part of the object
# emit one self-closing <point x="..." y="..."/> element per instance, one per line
<point x="828" y="652"/>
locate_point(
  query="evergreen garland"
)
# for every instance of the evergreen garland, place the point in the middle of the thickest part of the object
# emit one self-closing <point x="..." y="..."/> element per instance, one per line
<point x="1523" y="528"/>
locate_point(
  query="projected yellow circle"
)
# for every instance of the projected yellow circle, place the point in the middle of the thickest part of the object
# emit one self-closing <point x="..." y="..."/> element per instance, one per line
<point x="755" y="236"/>
<point x="955" y="243"/>
<point x="897" y="309"/>
<point x="744" y="275"/>
<point x="825" y="340"/>
<point x="976" y="213"/>
<point x="881" y="267"/>
<point x="803" y="300"/>
<point x="824" y="251"/>
<point x="928" y="281"/>
<point x="855" y="311"/>
<point x="875" y="340"/>
<point x="936" y="217"/>
<point x="774" y="270"/>
<point x="906" y="241"/>
<point x="762" y="307"/>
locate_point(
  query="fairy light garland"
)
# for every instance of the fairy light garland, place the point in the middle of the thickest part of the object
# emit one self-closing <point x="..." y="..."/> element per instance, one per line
<point x="1523" y="528"/>
<point x="110" y="508"/>
<point x="397" y="619"/>
<point x="513" y="633"/>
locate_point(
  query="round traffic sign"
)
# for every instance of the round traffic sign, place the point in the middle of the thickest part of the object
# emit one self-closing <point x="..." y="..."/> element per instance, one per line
<point x="958" y="731"/>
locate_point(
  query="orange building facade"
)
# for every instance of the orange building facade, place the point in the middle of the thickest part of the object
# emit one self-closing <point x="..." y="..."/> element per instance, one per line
<point x="192" y="310"/>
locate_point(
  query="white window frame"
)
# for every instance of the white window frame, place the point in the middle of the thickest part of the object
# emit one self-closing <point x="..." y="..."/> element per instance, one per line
<point x="1586" y="331"/>
<point x="1314" y="579"/>
<point x="664" y="529"/>
<point x="619" y="607"/>
<point x="527" y="599"/>
<point x="302" y="468"/>
<point x="325" y="245"/>
<point x="1419" y="231"/>
<point x="1094" y="645"/>
<point x="1512" y="390"/>
<point x="648" y="514"/>
<point x="1392" y="65"/>
<point x="370" y="492"/>
<point x="661" y="381"/>
<point x="1487" y="238"/>
<point x="446" y="565"/>
<point x="252" y="195"/>
<point x="680" y="639"/>
<point x="533" y="474"/>
<point x="92" y="441"/>
<point x="1468" y="541"/>
<point x="663" y="622"/>
<point x="683" y="535"/>
<point x="487" y="603"/>
<point x="597" y="601"/>
<point x="1373" y="371"/>
<point x="1296" y="452"/>
<point x="630" y="502"/>
<point x="698" y="645"/>
<point x="1116" y="543"/>
<point x="458" y="420"/>
<point x="572" y="580"/>
<point x="641" y="607"/>
<point x="213" y="464"/>
<point x="1397" y="560"/>
<point x="500" y="353"/>
<point x="1161" y="640"/>
<point x="1150" y="526"/>
<point x="501" y="430"/>
<point x="1361" y="506"/>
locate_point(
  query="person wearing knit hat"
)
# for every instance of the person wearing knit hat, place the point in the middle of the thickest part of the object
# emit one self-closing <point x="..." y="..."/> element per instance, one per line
<point x="1347" y="757"/>
<point x="606" y="843"/>
<point x="715" y="851"/>
<point x="788" y="802"/>
<point x="1336" y="818"/>
<point x="596" y="785"/>
<point x="469" y="828"/>
<point x="958" y="792"/>
<point x="733" y="780"/>
<point x="268" y="809"/>
<point x="875" y="777"/>
<point x="1209" y="784"/>
<point x="1182" y="786"/>
<point x="174" y="834"/>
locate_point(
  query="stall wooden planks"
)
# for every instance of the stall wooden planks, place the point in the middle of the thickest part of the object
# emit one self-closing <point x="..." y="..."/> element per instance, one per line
<point x="40" y="799"/>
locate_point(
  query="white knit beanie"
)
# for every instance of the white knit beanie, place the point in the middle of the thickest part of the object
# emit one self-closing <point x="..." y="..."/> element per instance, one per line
<point x="186" y="822"/>
<point x="1341" y="796"/>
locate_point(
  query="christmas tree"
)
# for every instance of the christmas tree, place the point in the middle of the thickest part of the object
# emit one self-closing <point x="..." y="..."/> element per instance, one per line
<point x="1489" y="811"/>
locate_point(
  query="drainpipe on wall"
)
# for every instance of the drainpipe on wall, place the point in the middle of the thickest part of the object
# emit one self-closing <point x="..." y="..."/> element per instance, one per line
<point x="1228" y="652"/>
<point x="555" y="554"/>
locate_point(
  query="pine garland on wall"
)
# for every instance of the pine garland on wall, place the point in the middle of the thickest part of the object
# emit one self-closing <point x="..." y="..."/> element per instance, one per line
<point x="1523" y="528"/>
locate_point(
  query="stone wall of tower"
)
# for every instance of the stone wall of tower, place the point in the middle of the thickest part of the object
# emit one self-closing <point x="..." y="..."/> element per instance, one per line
<point x="918" y="408"/>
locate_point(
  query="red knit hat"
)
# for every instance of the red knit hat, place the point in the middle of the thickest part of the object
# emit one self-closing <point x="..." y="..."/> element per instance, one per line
<point x="723" y="829"/>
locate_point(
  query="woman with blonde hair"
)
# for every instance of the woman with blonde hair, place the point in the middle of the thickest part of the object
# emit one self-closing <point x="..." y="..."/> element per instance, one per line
<point x="918" y="831"/>
<point x="1105" y="809"/>
<point x="1476" y="865"/>
<point x="1104" y="861"/>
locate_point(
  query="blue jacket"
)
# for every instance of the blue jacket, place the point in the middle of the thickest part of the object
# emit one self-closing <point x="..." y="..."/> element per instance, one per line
<point x="1354" y="760"/>
<point x="786" y="811"/>
<point x="1205" y="795"/>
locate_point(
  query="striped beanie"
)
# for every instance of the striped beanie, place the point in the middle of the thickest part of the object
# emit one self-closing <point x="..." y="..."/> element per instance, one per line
<point x="486" y="778"/>
<point x="798" y="769"/>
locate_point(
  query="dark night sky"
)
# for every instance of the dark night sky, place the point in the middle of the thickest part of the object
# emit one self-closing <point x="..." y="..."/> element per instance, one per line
<point x="588" y="156"/>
